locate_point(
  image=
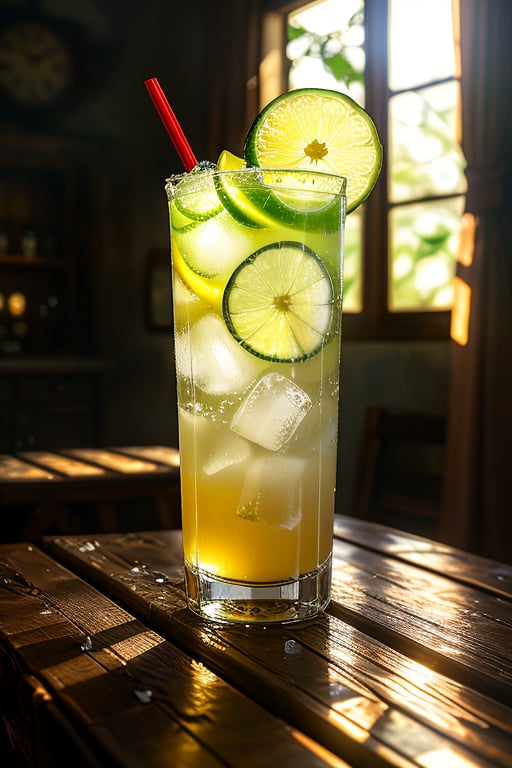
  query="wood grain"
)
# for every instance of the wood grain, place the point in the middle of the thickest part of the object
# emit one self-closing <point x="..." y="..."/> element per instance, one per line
<point x="374" y="697"/>
<point x="132" y="697"/>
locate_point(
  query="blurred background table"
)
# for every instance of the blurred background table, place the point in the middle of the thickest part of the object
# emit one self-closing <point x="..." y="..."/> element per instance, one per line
<point x="103" y="664"/>
<point x="83" y="489"/>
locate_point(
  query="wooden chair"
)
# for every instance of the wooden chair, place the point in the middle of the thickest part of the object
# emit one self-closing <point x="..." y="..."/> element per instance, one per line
<point x="400" y="469"/>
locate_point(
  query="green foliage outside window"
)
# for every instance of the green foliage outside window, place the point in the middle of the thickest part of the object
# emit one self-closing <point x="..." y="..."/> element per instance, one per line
<point x="425" y="163"/>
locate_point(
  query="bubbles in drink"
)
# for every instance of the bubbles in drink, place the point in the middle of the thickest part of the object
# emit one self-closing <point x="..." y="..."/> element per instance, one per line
<point x="213" y="359"/>
<point x="271" y="412"/>
<point x="272" y="491"/>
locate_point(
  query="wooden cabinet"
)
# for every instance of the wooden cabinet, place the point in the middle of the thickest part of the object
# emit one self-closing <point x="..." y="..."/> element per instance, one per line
<point x="48" y="371"/>
<point x="46" y="236"/>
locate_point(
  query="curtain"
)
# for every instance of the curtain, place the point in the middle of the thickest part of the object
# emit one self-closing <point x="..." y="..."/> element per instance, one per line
<point x="233" y="35"/>
<point x="477" y="496"/>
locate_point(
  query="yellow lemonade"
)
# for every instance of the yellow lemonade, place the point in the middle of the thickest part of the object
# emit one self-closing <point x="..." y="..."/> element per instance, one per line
<point x="257" y="314"/>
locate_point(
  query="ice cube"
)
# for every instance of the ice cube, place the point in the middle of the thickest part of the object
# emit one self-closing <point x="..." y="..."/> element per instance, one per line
<point x="271" y="412"/>
<point x="213" y="358"/>
<point x="231" y="451"/>
<point x="272" y="492"/>
<point x="216" y="245"/>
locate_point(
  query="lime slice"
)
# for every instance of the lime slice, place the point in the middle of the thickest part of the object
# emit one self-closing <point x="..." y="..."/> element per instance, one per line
<point x="290" y="197"/>
<point x="196" y="197"/>
<point x="229" y="190"/>
<point x="322" y="130"/>
<point x="278" y="302"/>
<point x="202" y="286"/>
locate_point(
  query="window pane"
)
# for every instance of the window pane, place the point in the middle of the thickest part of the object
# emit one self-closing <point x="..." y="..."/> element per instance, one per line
<point x="420" y="42"/>
<point x="424" y="247"/>
<point x="326" y="47"/>
<point x="326" y="50"/>
<point x="425" y="157"/>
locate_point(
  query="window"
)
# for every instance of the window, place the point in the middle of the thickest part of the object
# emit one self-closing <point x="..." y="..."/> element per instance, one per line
<point x="398" y="59"/>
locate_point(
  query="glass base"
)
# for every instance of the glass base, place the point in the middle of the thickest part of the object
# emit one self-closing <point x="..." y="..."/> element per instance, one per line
<point x="237" y="602"/>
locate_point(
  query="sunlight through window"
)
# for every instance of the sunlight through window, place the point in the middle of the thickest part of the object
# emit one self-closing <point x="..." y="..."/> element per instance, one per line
<point x="425" y="164"/>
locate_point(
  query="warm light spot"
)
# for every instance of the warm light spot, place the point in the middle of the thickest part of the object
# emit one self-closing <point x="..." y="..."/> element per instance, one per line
<point x="12" y="468"/>
<point x="16" y="304"/>
<point x="161" y="453"/>
<point x="445" y="757"/>
<point x="65" y="466"/>
<point x="114" y="461"/>
<point x="135" y="645"/>
<point x="202" y="674"/>
<point x="321" y="752"/>
<point x="272" y="59"/>
<point x="467" y="239"/>
<point x="362" y="710"/>
<point x="348" y="727"/>
<point x="459" y="328"/>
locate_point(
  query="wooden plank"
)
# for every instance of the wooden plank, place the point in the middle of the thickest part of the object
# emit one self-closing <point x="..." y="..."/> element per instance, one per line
<point x="459" y="630"/>
<point x="134" y="698"/>
<point x="114" y="461"/>
<point x="432" y="555"/>
<point x="162" y="454"/>
<point x="64" y="466"/>
<point x="15" y="470"/>
<point x="359" y="698"/>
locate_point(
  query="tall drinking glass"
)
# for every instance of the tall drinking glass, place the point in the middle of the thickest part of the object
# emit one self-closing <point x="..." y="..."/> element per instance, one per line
<point x="257" y="291"/>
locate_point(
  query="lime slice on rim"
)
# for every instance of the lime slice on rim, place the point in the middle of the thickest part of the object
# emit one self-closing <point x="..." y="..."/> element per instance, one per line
<point x="319" y="130"/>
<point x="278" y="302"/>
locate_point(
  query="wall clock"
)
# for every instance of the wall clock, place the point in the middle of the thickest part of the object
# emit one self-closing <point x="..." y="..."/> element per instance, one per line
<point x="36" y="63"/>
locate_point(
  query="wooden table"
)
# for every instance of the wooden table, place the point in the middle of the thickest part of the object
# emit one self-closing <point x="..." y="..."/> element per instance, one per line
<point x="103" y="664"/>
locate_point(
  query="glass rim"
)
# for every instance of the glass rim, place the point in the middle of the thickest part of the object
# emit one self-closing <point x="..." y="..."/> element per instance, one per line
<point x="172" y="181"/>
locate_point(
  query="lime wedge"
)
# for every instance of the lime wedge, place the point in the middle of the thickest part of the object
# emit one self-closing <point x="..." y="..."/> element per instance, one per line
<point x="278" y="302"/>
<point x="230" y="192"/>
<point x="322" y="130"/>
<point x="290" y="197"/>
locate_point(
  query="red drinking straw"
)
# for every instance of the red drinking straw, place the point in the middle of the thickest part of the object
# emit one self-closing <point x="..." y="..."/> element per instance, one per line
<point x="171" y="124"/>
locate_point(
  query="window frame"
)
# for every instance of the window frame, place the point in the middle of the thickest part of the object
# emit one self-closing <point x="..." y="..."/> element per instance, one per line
<point x="375" y="321"/>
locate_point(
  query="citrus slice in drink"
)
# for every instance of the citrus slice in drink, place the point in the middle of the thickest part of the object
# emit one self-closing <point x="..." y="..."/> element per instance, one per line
<point x="278" y="302"/>
<point x="197" y="198"/>
<point x="318" y="130"/>
<point x="290" y="196"/>
<point x="230" y="190"/>
<point x="204" y="288"/>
